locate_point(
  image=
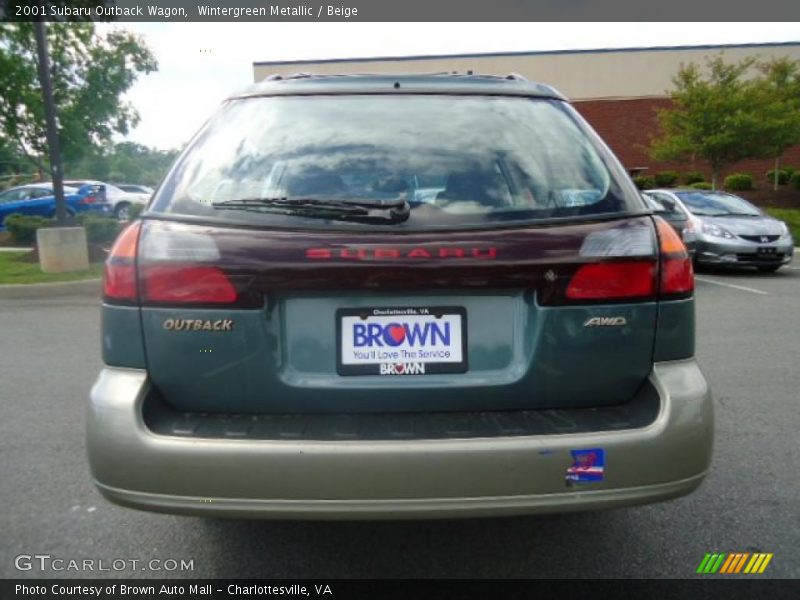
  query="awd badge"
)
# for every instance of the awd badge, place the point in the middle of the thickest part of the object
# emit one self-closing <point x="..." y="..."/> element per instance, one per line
<point x="606" y="322"/>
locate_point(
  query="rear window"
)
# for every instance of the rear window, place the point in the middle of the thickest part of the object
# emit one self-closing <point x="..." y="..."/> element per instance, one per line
<point x="455" y="160"/>
<point x="717" y="204"/>
<point x="663" y="203"/>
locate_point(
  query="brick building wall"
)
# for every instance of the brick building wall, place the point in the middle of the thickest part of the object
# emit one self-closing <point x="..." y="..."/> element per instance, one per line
<point x="628" y="125"/>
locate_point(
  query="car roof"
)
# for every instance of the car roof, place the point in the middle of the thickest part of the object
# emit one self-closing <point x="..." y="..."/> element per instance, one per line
<point x="82" y="182"/>
<point x="367" y="83"/>
<point x="38" y="185"/>
<point x="29" y="185"/>
<point x="688" y="189"/>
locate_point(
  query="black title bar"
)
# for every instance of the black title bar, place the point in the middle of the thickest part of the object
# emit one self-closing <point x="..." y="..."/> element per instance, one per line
<point x="388" y="589"/>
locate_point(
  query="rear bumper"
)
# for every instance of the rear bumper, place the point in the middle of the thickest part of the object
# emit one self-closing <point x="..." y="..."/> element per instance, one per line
<point x="313" y="479"/>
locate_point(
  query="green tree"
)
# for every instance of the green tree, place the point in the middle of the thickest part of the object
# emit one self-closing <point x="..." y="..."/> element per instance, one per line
<point x="780" y="86"/>
<point x="90" y="72"/>
<point x="714" y="116"/>
<point x="124" y="162"/>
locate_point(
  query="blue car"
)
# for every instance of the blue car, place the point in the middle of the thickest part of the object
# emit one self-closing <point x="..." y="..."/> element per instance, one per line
<point x="39" y="199"/>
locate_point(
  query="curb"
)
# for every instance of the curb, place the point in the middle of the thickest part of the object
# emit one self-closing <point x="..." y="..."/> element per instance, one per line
<point x="85" y="287"/>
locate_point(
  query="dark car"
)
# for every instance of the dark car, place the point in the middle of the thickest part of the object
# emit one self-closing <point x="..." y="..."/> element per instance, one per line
<point x="674" y="213"/>
<point x="383" y="296"/>
<point x="731" y="232"/>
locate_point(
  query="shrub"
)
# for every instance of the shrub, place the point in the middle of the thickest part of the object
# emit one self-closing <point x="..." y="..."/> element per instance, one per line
<point x="644" y="182"/>
<point x="783" y="176"/>
<point x="739" y="181"/>
<point x="796" y="180"/>
<point x="700" y="185"/>
<point x="23" y="227"/>
<point x="790" y="171"/>
<point x="666" y="178"/>
<point x="99" y="229"/>
<point x="693" y="177"/>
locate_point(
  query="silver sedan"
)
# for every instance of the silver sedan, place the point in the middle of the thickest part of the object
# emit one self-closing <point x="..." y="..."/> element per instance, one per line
<point x="729" y="231"/>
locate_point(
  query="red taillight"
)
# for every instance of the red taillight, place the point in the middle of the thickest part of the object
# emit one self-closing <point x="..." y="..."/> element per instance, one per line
<point x="182" y="284"/>
<point x="119" y="281"/>
<point x="677" y="275"/>
<point x="603" y="281"/>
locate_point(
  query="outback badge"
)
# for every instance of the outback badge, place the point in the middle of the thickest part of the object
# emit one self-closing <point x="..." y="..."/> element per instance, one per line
<point x="198" y="325"/>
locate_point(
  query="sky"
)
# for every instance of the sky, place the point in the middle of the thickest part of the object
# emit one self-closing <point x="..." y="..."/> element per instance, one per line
<point x="200" y="64"/>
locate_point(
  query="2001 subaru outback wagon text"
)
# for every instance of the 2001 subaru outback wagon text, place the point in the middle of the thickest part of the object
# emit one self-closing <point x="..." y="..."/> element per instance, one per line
<point x="387" y="297"/>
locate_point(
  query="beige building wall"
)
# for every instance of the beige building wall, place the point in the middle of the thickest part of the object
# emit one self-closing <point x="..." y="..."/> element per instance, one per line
<point x="583" y="75"/>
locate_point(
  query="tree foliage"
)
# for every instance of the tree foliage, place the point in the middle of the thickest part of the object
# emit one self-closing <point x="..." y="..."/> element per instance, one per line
<point x="90" y="73"/>
<point x="730" y="113"/>
<point x="781" y="107"/>
<point x="125" y="162"/>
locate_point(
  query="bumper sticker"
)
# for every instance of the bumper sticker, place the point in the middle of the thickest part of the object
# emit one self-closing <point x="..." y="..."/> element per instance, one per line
<point x="587" y="465"/>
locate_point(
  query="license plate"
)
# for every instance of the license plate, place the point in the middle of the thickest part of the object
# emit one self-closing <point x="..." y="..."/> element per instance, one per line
<point x="401" y="340"/>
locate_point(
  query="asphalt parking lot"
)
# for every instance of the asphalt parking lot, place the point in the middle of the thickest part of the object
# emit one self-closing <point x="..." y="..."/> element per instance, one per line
<point x="748" y="334"/>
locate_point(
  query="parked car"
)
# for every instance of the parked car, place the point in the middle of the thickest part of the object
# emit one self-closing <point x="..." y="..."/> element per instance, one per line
<point x="674" y="213"/>
<point x="289" y="331"/>
<point x="133" y="188"/>
<point x="120" y="200"/>
<point x="39" y="199"/>
<point x="730" y="231"/>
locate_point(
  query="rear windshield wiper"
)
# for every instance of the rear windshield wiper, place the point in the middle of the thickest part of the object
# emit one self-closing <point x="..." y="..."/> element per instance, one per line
<point x="363" y="211"/>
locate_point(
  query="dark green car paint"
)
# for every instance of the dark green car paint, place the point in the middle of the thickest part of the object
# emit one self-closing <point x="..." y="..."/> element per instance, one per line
<point x="675" y="331"/>
<point x="521" y="355"/>
<point x="122" y="340"/>
<point x="193" y="353"/>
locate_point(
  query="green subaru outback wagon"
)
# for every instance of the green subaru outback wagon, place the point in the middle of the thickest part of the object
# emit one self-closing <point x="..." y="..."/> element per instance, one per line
<point x="397" y="297"/>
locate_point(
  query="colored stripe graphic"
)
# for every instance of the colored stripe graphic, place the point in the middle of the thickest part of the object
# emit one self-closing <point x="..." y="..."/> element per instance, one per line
<point x="765" y="563"/>
<point x="711" y="563"/>
<point x="718" y="564"/>
<point x="703" y="563"/>
<point x="754" y="563"/>
<point x="734" y="562"/>
<point x="728" y="565"/>
<point x="740" y="564"/>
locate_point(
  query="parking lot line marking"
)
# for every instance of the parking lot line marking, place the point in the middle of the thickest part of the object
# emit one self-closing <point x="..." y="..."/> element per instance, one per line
<point x="733" y="286"/>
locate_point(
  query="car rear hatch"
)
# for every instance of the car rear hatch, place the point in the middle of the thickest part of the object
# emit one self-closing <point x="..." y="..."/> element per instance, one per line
<point x="255" y="321"/>
<point x="380" y="249"/>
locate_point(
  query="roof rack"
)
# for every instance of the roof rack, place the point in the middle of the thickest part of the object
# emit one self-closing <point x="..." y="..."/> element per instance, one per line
<point x="277" y="77"/>
<point x="456" y="82"/>
<point x="468" y="73"/>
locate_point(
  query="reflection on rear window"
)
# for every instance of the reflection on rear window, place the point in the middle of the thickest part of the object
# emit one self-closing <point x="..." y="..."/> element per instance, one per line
<point x="456" y="160"/>
<point x="717" y="204"/>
